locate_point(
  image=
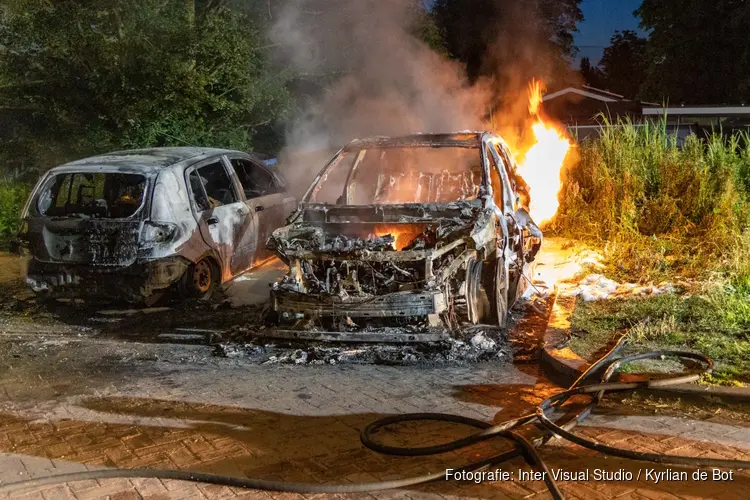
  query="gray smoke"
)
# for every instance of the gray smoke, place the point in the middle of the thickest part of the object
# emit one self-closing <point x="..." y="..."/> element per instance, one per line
<point x="380" y="80"/>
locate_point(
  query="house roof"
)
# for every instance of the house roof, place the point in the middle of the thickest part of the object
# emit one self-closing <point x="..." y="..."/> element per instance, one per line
<point x="697" y="110"/>
<point x="586" y="91"/>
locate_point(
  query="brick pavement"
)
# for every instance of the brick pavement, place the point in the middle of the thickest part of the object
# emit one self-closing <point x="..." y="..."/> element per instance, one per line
<point x="150" y="407"/>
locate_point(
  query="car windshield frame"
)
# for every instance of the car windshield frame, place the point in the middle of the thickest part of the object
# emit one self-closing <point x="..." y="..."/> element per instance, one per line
<point x="352" y="151"/>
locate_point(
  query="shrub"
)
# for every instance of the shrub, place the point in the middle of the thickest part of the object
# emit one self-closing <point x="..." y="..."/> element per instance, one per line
<point x="657" y="208"/>
<point x="12" y="198"/>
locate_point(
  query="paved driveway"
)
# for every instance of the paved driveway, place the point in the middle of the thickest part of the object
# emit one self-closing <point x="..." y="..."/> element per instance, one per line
<point x="71" y="399"/>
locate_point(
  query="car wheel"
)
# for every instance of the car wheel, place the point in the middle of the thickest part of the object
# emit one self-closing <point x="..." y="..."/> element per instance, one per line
<point x="200" y="280"/>
<point x="477" y="301"/>
<point x="495" y="289"/>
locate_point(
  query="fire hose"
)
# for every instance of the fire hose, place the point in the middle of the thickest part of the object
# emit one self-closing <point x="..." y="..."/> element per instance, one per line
<point x="508" y="430"/>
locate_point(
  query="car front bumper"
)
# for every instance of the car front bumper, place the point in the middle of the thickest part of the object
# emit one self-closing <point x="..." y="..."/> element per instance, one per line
<point x="398" y="304"/>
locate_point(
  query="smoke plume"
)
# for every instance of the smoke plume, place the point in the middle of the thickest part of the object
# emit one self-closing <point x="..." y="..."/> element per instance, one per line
<point x="380" y="79"/>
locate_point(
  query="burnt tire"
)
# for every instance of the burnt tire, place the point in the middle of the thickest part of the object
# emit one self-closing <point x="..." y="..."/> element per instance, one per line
<point x="495" y="291"/>
<point x="200" y="281"/>
<point x="477" y="301"/>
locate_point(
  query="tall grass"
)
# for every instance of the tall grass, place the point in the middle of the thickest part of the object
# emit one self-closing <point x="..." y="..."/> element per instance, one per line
<point x="12" y="198"/>
<point x="659" y="209"/>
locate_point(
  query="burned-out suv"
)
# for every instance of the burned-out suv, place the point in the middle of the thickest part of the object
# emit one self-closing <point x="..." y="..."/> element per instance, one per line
<point x="411" y="230"/>
<point x="134" y="224"/>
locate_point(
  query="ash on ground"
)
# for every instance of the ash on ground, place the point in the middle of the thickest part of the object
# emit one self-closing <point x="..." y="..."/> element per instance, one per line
<point x="471" y="344"/>
<point x="489" y="344"/>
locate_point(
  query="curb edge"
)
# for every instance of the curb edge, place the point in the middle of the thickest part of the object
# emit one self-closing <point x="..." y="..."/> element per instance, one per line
<point x="565" y="365"/>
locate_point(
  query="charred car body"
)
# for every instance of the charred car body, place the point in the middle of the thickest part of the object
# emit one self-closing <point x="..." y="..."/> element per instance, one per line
<point x="409" y="229"/>
<point x="133" y="224"/>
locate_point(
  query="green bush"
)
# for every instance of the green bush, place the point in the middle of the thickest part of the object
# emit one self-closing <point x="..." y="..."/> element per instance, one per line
<point x="12" y="198"/>
<point x="83" y="78"/>
<point x="658" y="209"/>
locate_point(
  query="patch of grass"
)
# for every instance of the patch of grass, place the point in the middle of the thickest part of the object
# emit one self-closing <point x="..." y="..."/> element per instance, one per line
<point x="715" y="324"/>
<point x="727" y="375"/>
<point x="718" y="411"/>
<point x="659" y="209"/>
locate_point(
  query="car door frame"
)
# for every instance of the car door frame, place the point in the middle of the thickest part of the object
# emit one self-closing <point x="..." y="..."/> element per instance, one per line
<point x="508" y="207"/>
<point x="269" y="210"/>
<point x="224" y="257"/>
<point x="518" y="231"/>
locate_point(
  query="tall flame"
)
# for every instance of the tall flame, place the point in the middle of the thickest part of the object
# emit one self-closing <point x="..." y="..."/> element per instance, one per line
<point x="535" y="97"/>
<point x="542" y="163"/>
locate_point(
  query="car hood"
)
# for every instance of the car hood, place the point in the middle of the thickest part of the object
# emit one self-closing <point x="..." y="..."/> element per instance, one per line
<point x="343" y="232"/>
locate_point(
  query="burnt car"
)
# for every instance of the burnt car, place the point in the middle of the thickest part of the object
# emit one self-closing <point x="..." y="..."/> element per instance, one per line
<point x="135" y="224"/>
<point x="422" y="229"/>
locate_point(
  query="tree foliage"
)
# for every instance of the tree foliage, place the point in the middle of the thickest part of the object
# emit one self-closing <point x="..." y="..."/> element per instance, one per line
<point x="623" y="66"/>
<point x="624" y="63"/>
<point x="130" y="73"/>
<point x="426" y="29"/>
<point x="592" y="75"/>
<point x="700" y="51"/>
<point x="484" y="34"/>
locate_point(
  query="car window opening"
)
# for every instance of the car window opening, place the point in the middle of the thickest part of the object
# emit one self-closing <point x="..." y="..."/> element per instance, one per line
<point x="397" y="175"/>
<point x="256" y="181"/>
<point x="211" y="186"/>
<point x="96" y="194"/>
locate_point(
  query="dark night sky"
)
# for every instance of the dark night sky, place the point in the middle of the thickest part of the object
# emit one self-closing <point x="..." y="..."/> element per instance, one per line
<point x="601" y="19"/>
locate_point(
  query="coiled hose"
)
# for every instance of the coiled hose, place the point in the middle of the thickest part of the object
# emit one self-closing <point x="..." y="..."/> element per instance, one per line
<point x="528" y="449"/>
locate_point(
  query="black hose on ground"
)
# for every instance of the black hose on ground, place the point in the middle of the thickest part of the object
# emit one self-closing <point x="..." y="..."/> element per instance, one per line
<point x="509" y="430"/>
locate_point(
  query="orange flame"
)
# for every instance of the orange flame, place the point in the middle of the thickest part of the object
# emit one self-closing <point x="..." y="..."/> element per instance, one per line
<point x="535" y="96"/>
<point x="543" y="161"/>
<point x="403" y="234"/>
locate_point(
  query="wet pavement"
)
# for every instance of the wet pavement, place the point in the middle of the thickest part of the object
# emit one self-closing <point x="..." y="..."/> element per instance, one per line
<point x="79" y="389"/>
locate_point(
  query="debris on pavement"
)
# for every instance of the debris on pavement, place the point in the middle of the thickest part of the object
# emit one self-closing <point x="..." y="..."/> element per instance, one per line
<point x="599" y="287"/>
<point x="478" y="343"/>
<point x="452" y="351"/>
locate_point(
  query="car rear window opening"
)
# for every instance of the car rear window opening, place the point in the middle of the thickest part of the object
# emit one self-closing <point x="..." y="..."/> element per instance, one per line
<point x="109" y="195"/>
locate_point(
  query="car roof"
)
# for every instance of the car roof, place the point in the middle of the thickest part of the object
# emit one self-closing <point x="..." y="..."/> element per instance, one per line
<point x="466" y="139"/>
<point x="147" y="159"/>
